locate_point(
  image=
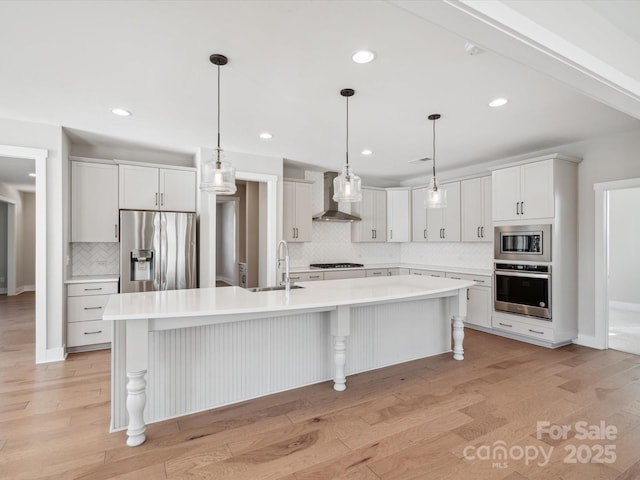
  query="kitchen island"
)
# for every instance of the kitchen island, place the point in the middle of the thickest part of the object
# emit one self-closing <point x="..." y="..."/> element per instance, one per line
<point x="192" y="350"/>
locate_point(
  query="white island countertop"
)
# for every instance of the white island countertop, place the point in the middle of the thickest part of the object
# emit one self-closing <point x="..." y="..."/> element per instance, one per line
<point x="235" y="300"/>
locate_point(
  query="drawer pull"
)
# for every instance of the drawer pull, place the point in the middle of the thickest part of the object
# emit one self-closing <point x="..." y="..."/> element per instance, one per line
<point x="93" y="333"/>
<point x="535" y="331"/>
<point x="92" y="308"/>
<point x="505" y="325"/>
<point x="456" y="278"/>
<point x="92" y="289"/>
<point x="479" y="281"/>
<point x="314" y="276"/>
<point x="376" y="273"/>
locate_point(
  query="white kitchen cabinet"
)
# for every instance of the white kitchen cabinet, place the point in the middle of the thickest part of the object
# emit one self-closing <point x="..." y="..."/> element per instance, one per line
<point x="479" y="299"/>
<point x="397" y="271"/>
<point x="151" y="188"/>
<point x="524" y="192"/>
<point x="339" y="274"/>
<point x="85" y="305"/>
<point x="296" y="208"/>
<point x="94" y="202"/>
<point x="377" y="272"/>
<point x="428" y="273"/>
<point x="418" y="215"/>
<point x="372" y="209"/>
<point x="443" y="224"/>
<point x="305" y="276"/>
<point x="398" y="214"/>
<point x="475" y="212"/>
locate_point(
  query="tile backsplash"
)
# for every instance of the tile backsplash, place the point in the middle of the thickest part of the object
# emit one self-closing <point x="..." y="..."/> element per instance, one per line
<point x="95" y="259"/>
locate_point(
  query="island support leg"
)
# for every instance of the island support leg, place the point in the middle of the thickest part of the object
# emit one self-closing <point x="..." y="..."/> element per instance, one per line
<point x="137" y="346"/>
<point x="340" y="329"/>
<point x="458" y="318"/>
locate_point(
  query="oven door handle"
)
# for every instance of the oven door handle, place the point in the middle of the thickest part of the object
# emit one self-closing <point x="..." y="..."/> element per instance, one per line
<point x="518" y="274"/>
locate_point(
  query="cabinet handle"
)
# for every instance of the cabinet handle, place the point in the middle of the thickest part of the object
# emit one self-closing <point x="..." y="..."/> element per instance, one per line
<point x="535" y="331"/>
<point x="92" y="308"/>
<point x="521" y="208"/>
<point x="481" y="232"/>
<point x="517" y="206"/>
<point x="92" y="289"/>
<point x="373" y="233"/>
<point x="505" y="325"/>
<point x="93" y="333"/>
<point x="115" y="230"/>
<point x="162" y="199"/>
<point x="456" y="278"/>
<point x="479" y="281"/>
<point x="156" y="199"/>
<point x="467" y="294"/>
<point x="314" y="276"/>
<point x="390" y="234"/>
<point x="425" y="233"/>
<point x="478" y="232"/>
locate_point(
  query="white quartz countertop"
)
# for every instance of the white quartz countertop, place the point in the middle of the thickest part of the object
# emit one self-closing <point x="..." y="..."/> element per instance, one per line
<point x="441" y="268"/>
<point x="92" y="279"/>
<point x="235" y="300"/>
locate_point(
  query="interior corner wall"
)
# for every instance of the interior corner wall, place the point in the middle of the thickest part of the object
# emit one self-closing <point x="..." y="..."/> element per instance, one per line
<point x="29" y="239"/>
<point x="49" y="137"/>
<point x="3" y="245"/>
<point x="8" y="191"/>
<point x="624" y="254"/>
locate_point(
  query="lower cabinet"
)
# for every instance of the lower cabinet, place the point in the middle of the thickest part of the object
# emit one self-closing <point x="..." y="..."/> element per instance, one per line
<point x="527" y="327"/>
<point x="479" y="299"/>
<point x="85" y="305"/>
<point x="335" y="274"/>
<point x="428" y="273"/>
<point x="305" y="276"/>
<point x="377" y="272"/>
<point x="397" y="271"/>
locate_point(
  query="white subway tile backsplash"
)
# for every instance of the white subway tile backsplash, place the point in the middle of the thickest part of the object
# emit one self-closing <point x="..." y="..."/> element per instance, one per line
<point x="95" y="259"/>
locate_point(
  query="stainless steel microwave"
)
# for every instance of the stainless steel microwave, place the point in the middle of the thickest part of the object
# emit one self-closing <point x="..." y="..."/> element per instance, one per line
<point x="523" y="243"/>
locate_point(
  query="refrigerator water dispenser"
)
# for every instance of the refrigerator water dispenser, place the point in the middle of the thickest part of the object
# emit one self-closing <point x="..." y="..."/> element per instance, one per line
<point x="141" y="265"/>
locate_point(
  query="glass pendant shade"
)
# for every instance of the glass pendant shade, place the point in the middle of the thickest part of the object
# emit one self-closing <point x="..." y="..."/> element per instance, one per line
<point x="436" y="197"/>
<point x="218" y="176"/>
<point x="347" y="186"/>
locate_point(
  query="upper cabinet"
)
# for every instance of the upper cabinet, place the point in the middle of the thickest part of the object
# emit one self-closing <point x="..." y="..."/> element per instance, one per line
<point x="151" y="188"/>
<point x="443" y="224"/>
<point x="372" y="209"/>
<point x="296" y="207"/>
<point x="94" y="202"/>
<point x="523" y="192"/>
<point x="418" y="215"/>
<point x="398" y="214"/>
<point x="475" y="213"/>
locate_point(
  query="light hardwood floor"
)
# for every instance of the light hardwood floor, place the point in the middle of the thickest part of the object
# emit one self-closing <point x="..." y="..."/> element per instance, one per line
<point x="425" y="419"/>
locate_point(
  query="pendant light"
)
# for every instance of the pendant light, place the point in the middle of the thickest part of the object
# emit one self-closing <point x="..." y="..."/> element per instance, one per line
<point x="217" y="175"/>
<point x="347" y="185"/>
<point x="436" y="197"/>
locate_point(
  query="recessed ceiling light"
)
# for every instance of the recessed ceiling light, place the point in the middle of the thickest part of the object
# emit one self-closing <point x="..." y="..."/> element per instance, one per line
<point x="366" y="152"/>
<point x="32" y="174"/>
<point x="121" y="112"/>
<point x="266" y="135"/>
<point x="363" y="56"/>
<point x="498" y="102"/>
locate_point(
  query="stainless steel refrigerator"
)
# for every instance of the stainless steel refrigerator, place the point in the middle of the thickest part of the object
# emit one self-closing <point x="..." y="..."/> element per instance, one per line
<point x="157" y="251"/>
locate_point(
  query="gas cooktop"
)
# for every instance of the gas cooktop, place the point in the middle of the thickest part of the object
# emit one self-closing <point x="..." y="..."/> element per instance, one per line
<point x="336" y="265"/>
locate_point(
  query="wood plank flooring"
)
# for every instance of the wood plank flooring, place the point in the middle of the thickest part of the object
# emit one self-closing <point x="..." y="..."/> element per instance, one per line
<point x="429" y="419"/>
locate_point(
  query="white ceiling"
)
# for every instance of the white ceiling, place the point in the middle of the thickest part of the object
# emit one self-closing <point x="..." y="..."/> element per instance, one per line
<point x="69" y="63"/>
<point x="15" y="172"/>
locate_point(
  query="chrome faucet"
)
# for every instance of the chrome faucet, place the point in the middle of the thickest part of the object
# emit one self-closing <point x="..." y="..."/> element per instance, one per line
<point x="287" y="279"/>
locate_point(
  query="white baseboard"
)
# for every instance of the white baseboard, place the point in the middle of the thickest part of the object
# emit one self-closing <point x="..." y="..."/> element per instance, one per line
<point x="57" y="354"/>
<point x="226" y="280"/>
<point x="29" y="288"/>
<point x="589" y="341"/>
<point x="626" y="306"/>
<point x="19" y="290"/>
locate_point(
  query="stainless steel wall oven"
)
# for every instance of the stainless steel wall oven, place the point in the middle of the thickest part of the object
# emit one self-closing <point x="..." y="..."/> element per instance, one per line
<point x="523" y="289"/>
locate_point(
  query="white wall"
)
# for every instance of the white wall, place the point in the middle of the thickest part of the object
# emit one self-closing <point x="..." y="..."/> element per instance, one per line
<point x="624" y="246"/>
<point x="49" y="137"/>
<point x="8" y="191"/>
<point x="3" y="245"/>
<point x="29" y="239"/>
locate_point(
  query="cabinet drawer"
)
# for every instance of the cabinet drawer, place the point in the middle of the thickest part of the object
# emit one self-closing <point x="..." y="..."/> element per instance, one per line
<point x="377" y="272"/>
<point x="88" y="333"/>
<point x="89" y="307"/>
<point x="306" y="276"/>
<point x="429" y="273"/>
<point x="480" y="280"/>
<point x="522" y="328"/>
<point x="398" y="271"/>
<point x="98" y="288"/>
<point x="335" y="275"/>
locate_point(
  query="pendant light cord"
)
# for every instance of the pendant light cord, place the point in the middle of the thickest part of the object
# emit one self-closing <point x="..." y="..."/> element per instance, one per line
<point x="218" y="149"/>
<point x="434" y="149"/>
<point x="347" y="140"/>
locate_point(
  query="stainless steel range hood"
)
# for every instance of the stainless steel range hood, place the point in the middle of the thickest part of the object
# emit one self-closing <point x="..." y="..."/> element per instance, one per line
<point x="331" y="212"/>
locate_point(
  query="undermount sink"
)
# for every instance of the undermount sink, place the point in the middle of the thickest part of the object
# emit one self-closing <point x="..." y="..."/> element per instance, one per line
<point x="272" y="289"/>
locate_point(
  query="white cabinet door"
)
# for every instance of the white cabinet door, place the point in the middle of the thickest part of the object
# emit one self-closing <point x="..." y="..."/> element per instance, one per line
<point x="523" y="192"/>
<point x="296" y="208"/>
<point x="139" y="188"/>
<point x="418" y="215"/>
<point x="443" y="224"/>
<point x="475" y="211"/>
<point x="398" y="211"/>
<point x="506" y="194"/>
<point x="537" y="190"/>
<point x="372" y="210"/>
<point x="377" y="272"/>
<point x="479" y="306"/>
<point x="177" y="190"/>
<point x="94" y="202"/>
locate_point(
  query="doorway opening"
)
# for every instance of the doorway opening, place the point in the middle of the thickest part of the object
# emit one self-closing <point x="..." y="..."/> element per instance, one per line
<point x="617" y="262"/>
